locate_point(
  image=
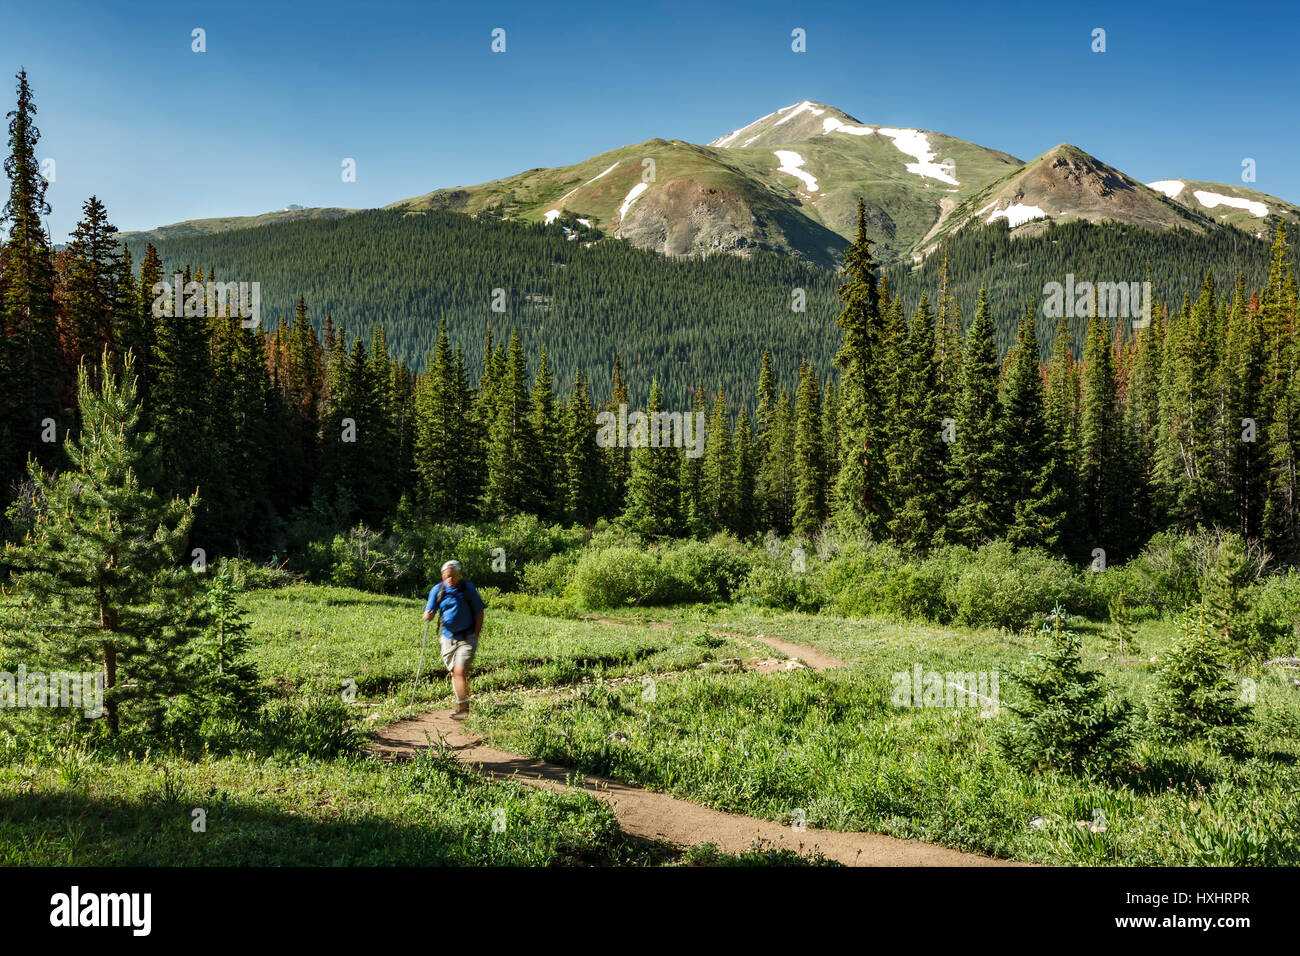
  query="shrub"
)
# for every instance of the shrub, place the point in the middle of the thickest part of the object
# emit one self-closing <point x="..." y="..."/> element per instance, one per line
<point x="1005" y="587"/>
<point x="246" y="575"/>
<point x="369" y="561"/>
<point x="1169" y="573"/>
<point x="771" y="585"/>
<point x="703" y="571"/>
<point x="320" y="729"/>
<point x="877" y="579"/>
<point x="541" y="605"/>
<point x="618" y="577"/>
<point x="1064" y="721"/>
<point x="1277" y="598"/>
<point x="1225" y="589"/>
<point x="552" y="576"/>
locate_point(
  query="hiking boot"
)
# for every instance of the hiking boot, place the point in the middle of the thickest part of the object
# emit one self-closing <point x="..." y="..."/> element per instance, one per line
<point x="462" y="709"/>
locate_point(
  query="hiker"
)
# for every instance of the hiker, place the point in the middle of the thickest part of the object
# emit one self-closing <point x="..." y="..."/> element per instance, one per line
<point x="461" y="608"/>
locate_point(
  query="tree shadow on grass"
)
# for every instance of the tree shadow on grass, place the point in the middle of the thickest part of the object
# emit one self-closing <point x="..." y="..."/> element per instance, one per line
<point x="70" y="829"/>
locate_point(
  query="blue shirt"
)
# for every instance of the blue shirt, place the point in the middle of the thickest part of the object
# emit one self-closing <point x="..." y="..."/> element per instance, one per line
<point x="459" y="606"/>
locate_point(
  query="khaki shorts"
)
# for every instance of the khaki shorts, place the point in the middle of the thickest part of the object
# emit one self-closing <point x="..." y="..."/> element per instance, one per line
<point x="458" y="652"/>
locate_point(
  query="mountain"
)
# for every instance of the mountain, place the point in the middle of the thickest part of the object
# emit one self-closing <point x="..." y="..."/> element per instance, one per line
<point x="742" y="193"/>
<point x="1251" y="211"/>
<point x="206" y="227"/>
<point x="1065" y="184"/>
<point x="789" y="182"/>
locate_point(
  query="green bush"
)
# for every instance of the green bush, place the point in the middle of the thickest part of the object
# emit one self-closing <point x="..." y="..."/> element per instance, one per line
<point x="248" y="575"/>
<point x="1277" y="599"/>
<point x="869" y="578"/>
<point x="618" y="577"/>
<point x="1006" y="587"/>
<point x="776" y="586"/>
<point x="701" y="571"/>
<point x="494" y="554"/>
<point x="552" y="576"/>
<point x="543" y="605"/>
<point x="369" y="561"/>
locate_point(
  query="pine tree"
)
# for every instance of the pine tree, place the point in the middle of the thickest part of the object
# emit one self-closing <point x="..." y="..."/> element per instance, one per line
<point x="508" y="488"/>
<point x="1195" y="696"/>
<point x="860" y="501"/>
<point x="1243" y="367"/>
<point x="32" y="379"/>
<point x="1190" y="439"/>
<point x="1035" y="502"/>
<point x="97" y="576"/>
<point x="690" y="482"/>
<point x="1061" y="408"/>
<point x="617" y="464"/>
<point x="544" y="470"/>
<point x="916" y="455"/>
<point x="809" y="465"/>
<point x="718" y="489"/>
<point x="1281" y="404"/>
<point x="1062" y="720"/>
<point x="653" y="494"/>
<point x="91" y="268"/>
<point x="974" y="465"/>
<point x="222" y="680"/>
<point x="1102" y="478"/>
<point x="439" y="433"/>
<point x="743" y="463"/>
<point x="582" y="460"/>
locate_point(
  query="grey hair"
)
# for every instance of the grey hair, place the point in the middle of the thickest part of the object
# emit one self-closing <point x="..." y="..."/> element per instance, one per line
<point x="454" y="565"/>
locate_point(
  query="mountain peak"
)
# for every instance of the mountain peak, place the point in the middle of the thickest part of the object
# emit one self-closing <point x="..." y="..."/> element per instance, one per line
<point x="791" y="124"/>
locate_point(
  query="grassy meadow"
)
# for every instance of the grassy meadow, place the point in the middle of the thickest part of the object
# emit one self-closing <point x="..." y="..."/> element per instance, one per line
<point x="648" y="696"/>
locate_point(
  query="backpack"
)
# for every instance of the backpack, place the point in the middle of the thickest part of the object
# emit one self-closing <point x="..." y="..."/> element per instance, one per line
<point x="440" y="592"/>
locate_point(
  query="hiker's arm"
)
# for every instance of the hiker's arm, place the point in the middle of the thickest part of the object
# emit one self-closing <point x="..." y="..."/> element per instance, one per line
<point x="478" y="623"/>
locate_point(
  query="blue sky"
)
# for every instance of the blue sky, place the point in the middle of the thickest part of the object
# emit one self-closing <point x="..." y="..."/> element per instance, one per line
<point x="413" y="92"/>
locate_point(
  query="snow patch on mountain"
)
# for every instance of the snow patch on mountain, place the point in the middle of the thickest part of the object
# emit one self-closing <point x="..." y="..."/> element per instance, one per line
<point x="550" y="214"/>
<point x="1170" y="187"/>
<point x="791" y="163"/>
<point x="631" y="197"/>
<point x="1209" y="200"/>
<point x="1018" y="214"/>
<point x="830" y="125"/>
<point x="796" y="110"/>
<point x="915" y="143"/>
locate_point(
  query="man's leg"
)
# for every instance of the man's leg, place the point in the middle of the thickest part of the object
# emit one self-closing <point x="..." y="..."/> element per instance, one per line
<point x="460" y="681"/>
<point x="460" y="684"/>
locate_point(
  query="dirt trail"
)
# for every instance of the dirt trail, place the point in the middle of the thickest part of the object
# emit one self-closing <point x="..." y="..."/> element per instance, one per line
<point x="658" y="816"/>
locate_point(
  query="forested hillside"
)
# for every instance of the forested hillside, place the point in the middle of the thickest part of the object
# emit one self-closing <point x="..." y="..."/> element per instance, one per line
<point x="684" y="322"/>
<point x="681" y="322"/>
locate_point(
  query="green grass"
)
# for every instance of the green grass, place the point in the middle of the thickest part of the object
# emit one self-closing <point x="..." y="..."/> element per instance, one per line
<point x="833" y="745"/>
<point x="574" y="691"/>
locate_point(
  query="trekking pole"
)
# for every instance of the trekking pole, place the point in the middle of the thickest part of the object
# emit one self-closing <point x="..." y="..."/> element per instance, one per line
<point x="420" y="666"/>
